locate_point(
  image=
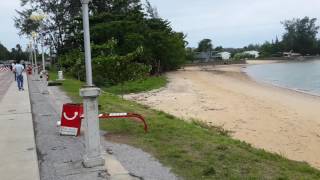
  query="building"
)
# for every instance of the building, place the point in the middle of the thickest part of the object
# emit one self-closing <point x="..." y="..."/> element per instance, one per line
<point x="291" y="54"/>
<point x="212" y="56"/>
<point x="224" y="55"/>
<point x="256" y="54"/>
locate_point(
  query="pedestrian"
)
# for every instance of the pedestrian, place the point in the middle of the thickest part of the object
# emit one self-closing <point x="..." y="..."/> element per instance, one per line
<point x="18" y="68"/>
<point x="12" y="69"/>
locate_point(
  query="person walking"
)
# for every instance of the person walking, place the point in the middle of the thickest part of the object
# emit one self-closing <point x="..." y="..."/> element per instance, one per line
<point x="12" y="69"/>
<point x="18" y="68"/>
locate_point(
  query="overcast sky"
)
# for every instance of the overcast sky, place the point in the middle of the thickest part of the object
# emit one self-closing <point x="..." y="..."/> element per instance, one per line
<point x="230" y="23"/>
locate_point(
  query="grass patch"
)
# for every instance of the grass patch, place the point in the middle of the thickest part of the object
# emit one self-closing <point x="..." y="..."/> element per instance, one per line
<point x="192" y="150"/>
<point x="138" y="86"/>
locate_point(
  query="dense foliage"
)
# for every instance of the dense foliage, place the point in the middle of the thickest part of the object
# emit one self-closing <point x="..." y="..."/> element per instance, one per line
<point x="205" y="45"/>
<point x="240" y="56"/>
<point x="128" y="41"/>
<point x="301" y="35"/>
<point x="15" y="54"/>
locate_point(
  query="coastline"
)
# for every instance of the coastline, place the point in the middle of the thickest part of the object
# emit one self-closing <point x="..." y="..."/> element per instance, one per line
<point x="258" y="62"/>
<point x="273" y="118"/>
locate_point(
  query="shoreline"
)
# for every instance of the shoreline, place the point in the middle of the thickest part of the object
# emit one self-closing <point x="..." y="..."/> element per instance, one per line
<point x="254" y="62"/>
<point x="276" y="119"/>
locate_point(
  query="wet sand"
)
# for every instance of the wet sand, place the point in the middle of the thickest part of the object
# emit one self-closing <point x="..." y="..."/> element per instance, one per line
<point x="268" y="117"/>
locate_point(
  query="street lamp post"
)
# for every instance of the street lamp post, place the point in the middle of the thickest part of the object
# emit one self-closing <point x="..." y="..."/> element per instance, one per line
<point x="90" y="94"/>
<point x="43" y="60"/>
<point x="30" y="53"/>
<point x="36" y="73"/>
<point x="44" y="72"/>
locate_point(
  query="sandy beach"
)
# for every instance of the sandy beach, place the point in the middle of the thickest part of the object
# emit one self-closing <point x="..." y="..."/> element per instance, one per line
<point x="268" y="117"/>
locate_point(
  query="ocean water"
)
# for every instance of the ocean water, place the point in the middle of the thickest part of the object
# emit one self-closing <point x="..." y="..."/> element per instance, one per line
<point x="300" y="76"/>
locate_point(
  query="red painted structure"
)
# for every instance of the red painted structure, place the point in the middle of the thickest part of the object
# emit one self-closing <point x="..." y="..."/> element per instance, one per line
<point x="72" y="115"/>
<point x="132" y="116"/>
<point x="71" y="118"/>
<point x="29" y="70"/>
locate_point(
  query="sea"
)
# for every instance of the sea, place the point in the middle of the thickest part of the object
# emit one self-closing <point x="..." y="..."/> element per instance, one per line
<point x="303" y="76"/>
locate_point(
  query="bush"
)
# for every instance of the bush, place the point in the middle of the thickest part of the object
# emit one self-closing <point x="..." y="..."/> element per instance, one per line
<point x="240" y="56"/>
<point x="107" y="70"/>
<point x="112" y="70"/>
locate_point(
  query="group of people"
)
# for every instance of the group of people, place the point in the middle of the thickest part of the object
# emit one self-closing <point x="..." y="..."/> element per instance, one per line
<point x="17" y="69"/>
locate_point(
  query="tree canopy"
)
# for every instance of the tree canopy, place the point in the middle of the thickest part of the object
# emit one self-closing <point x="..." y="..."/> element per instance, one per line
<point x="205" y="45"/>
<point x="121" y="31"/>
<point x="16" y="53"/>
<point x="301" y="35"/>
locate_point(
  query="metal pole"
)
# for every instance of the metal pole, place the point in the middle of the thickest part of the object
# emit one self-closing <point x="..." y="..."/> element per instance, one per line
<point x="92" y="156"/>
<point x="44" y="73"/>
<point x="36" y="72"/>
<point x="31" y="54"/>
<point x="86" y="35"/>
<point x="43" y="61"/>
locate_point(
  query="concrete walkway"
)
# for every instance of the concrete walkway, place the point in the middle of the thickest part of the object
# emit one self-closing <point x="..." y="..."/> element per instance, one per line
<point x="17" y="143"/>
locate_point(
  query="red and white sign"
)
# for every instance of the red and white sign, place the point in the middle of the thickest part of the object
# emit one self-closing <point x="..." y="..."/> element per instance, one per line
<point x="71" y="119"/>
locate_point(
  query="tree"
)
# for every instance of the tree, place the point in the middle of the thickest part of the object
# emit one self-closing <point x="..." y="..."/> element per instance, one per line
<point x="300" y="35"/>
<point x="218" y="48"/>
<point x="118" y="29"/>
<point x="152" y="11"/>
<point x="205" y="45"/>
<point x="190" y="54"/>
<point x="318" y="46"/>
<point x="17" y="53"/>
<point x="4" y="53"/>
<point x="58" y="25"/>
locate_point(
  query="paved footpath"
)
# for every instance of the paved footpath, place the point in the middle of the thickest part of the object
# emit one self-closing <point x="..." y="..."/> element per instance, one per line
<point x="6" y="79"/>
<point x="18" y="158"/>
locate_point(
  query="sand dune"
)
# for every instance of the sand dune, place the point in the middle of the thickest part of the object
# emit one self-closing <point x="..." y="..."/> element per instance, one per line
<point x="272" y="118"/>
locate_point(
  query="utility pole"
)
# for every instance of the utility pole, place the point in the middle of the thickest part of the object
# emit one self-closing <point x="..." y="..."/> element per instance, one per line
<point x="92" y="156"/>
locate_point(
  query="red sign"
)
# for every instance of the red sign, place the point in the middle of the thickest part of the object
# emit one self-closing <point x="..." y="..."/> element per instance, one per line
<point x="71" y="119"/>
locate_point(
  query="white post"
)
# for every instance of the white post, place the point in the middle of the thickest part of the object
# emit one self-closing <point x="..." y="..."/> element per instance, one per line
<point x="90" y="94"/>
<point x="60" y="76"/>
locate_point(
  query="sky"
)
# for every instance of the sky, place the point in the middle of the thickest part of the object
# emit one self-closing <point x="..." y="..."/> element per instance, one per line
<point x="229" y="23"/>
<point x="8" y="33"/>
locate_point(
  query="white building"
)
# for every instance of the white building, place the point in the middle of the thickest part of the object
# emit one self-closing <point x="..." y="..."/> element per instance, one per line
<point x="256" y="54"/>
<point x="225" y="55"/>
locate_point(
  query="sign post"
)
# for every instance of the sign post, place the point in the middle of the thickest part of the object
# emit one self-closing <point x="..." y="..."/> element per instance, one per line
<point x="92" y="156"/>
